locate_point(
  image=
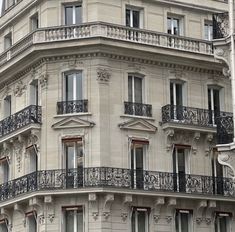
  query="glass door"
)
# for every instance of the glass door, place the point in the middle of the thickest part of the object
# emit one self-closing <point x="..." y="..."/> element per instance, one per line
<point x="176" y="100"/>
<point x="74" y="163"/>
<point x="180" y="168"/>
<point x="213" y="104"/>
<point x="137" y="165"/>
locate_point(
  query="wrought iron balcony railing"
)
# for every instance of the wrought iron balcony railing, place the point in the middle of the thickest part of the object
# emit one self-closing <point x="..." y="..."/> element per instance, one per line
<point x="69" y="107"/>
<point x="220" y="25"/>
<point x="29" y="115"/>
<point x="106" y="177"/>
<point x="138" y="109"/>
<point x="225" y="132"/>
<point x="190" y="115"/>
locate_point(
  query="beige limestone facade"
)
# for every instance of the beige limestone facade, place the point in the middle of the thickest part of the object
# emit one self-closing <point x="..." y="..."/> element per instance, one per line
<point x="108" y="114"/>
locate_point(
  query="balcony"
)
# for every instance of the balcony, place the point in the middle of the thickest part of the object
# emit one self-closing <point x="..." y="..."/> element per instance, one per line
<point x="71" y="107"/>
<point x="138" y="109"/>
<point x="29" y="115"/>
<point x="117" y="178"/>
<point x="220" y="25"/>
<point x="107" y="31"/>
<point x="225" y="129"/>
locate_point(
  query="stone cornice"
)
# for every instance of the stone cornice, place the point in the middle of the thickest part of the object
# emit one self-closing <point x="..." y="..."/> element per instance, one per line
<point x="113" y="56"/>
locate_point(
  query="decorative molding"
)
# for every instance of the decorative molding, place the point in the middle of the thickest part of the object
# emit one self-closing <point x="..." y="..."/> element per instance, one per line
<point x="19" y="88"/>
<point x="41" y="219"/>
<point x="196" y="138"/>
<point x="103" y="75"/>
<point x="125" y="205"/>
<point x="226" y="159"/>
<point x="169" y="138"/>
<point x="170" y="207"/>
<point x="201" y="206"/>
<point x="73" y="122"/>
<point x="211" y="205"/>
<point x="107" y="55"/>
<point x="138" y="125"/>
<point x="158" y="204"/>
<point x="43" y="80"/>
<point x="93" y="200"/>
<point x="51" y="217"/>
<point x="108" y="201"/>
<point x="18" y="148"/>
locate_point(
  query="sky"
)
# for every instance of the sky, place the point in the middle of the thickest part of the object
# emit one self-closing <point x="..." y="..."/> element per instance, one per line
<point x="1" y="7"/>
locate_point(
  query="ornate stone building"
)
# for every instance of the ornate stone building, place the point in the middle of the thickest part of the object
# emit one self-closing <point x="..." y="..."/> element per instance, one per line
<point x="108" y="117"/>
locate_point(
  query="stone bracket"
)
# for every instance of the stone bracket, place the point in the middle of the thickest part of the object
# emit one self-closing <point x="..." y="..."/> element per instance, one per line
<point x="127" y="200"/>
<point x="93" y="200"/>
<point x="158" y="204"/>
<point x="108" y="200"/>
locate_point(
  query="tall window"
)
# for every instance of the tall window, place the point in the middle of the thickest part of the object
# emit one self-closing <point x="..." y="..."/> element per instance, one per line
<point x="4" y="225"/>
<point x="222" y="222"/>
<point x="183" y="221"/>
<point x="138" y="157"/>
<point x="8" y="41"/>
<point x="73" y="149"/>
<point x="33" y="158"/>
<point x="31" y="220"/>
<point x="176" y="99"/>
<point x="73" y="86"/>
<point x="208" y="30"/>
<point x="132" y="18"/>
<point x="73" y="14"/>
<point x="181" y="167"/>
<point x="213" y="103"/>
<point x="73" y="217"/>
<point x="34" y="22"/>
<point x="34" y="93"/>
<point x="7" y="106"/>
<point x="135" y="89"/>
<point x="173" y="26"/>
<point x="140" y="220"/>
<point x="4" y="164"/>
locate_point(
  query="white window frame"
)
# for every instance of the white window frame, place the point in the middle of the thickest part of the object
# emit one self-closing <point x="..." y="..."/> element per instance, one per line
<point x="147" y="218"/>
<point x="34" y="92"/>
<point x="29" y="150"/>
<point x="65" y="74"/>
<point x="141" y="15"/>
<point x="228" y="221"/>
<point x="209" y="25"/>
<point x="30" y="216"/>
<point x="190" y="221"/>
<point x="180" y="21"/>
<point x="74" y="13"/>
<point x="133" y="76"/>
<point x="75" y="208"/>
<point x="5" y="160"/>
<point x="7" y="106"/>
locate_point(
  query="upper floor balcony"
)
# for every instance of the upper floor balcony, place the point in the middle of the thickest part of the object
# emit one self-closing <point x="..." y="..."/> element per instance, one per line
<point x="20" y="120"/>
<point x="70" y="107"/>
<point x="203" y="119"/>
<point x="137" y="109"/>
<point x="117" y="179"/>
<point x="115" y="33"/>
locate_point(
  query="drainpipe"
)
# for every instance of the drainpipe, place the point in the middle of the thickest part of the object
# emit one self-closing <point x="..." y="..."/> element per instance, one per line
<point x="232" y="58"/>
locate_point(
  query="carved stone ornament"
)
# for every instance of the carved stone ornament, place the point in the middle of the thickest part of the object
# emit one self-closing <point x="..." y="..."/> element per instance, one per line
<point x="51" y="217"/>
<point x="168" y="219"/>
<point x="19" y="88"/>
<point x="156" y="218"/>
<point x="41" y="219"/>
<point x="43" y="80"/>
<point x="219" y="52"/>
<point x="199" y="220"/>
<point x="103" y="75"/>
<point x="124" y="216"/>
<point x="18" y="147"/>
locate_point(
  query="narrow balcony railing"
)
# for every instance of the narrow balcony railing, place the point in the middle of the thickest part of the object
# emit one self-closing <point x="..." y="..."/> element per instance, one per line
<point x="107" y="177"/>
<point x="138" y="109"/>
<point x="29" y="115"/>
<point x="190" y="116"/>
<point x="70" y="107"/>
<point x="225" y="131"/>
<point x="107" y="31"/>
<point x="220" y="25"/>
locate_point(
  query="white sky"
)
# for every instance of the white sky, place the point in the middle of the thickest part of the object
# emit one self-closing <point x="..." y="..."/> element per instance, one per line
<point x="1" y="7"/>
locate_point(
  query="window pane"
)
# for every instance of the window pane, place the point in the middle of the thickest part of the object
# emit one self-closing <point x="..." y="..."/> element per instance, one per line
<point x="69" y="87"/>
<point x="141" y="221"/>
<point x="128" y="19"/>
<point x="133" y="219"/>
<point x="33" y="159"/>
<point x="32" y="224"/>
<point x="79" y="221"/>
<point x="130" y="94"/>
<point x="223" y="224"/>
<point x="78" y="86"/>
<point x="68" y="15"/>
<point x="79" y="155"/>
<point x="179" y="97"/>
<point x="70" y="156"/>
<point x="5" y="171"/>
<point x="139" y="158"/>
<point x="70" y="220"/>
<point x="78" y="14"/>
<point x="184" y="222"/>
<point x="3" y="227"/>
<point x="177" y="221"/>
<point x="138" y="90"/>
<point x="176" y="26"/>
<point x="169" y="25"/>
<point x="136" y="19"/>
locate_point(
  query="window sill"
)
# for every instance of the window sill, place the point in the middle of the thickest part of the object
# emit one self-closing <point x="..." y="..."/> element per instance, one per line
<point x="136" y="116"/>
<point x="73" y="114"/>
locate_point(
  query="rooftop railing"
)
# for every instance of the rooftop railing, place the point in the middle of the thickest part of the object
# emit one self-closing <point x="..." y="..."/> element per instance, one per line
<point x="107" y="177"/>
